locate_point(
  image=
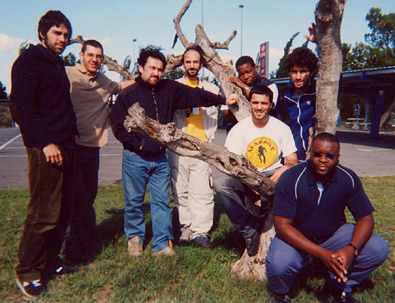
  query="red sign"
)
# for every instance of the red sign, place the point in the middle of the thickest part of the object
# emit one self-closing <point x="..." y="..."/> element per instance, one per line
<point x="264" y="60"/>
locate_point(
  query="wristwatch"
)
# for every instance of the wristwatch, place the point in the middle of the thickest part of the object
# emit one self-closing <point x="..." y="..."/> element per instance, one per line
<point x="247" y="87"/>
<point x="355" y="249"/>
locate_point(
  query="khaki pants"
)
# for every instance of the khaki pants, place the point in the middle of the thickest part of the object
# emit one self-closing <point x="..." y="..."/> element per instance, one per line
<point x="191" y="187"/>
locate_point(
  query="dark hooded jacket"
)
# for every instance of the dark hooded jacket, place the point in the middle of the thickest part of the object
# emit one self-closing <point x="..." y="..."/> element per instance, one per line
<point x="41" y="92"/>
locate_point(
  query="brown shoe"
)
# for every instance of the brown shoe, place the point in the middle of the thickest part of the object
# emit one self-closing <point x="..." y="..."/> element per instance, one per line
<point x="167" y="251"/>
<point x="135" y="248"/>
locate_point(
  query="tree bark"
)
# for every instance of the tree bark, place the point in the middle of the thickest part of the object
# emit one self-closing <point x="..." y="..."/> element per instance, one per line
<point x="328" y="17"/>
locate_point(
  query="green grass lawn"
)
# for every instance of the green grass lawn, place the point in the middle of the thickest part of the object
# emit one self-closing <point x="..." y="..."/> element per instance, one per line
<point x="195" y="275"/>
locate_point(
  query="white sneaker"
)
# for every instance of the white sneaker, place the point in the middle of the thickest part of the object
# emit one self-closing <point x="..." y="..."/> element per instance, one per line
<point x="186" y="233"/>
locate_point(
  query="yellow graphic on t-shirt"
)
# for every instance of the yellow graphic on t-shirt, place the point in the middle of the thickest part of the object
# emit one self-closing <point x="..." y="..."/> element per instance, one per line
<point x="262" y="152"/>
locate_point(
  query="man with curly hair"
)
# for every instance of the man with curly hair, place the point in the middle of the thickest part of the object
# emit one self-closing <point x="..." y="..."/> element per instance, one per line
<point x="300" y="98"/>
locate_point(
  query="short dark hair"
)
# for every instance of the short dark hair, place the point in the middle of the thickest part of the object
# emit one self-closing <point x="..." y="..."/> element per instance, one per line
<point x="261" y="89"/>
<point x="244" y="60"/>
<point x="302" y="57"/>
<point x="93" y="43"/>
<point x="52" y="18"/>
<point x="151" y="51"/>
<point x="327" y="137"/>
<point x="197" y="49"/>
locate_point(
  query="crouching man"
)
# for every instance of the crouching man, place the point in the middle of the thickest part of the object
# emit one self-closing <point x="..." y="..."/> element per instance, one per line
<point x="309" y="219"/>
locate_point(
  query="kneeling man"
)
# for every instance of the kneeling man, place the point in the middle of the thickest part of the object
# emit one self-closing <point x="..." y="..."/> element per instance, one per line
<point x="264" y="141"/>
<point x="309" y="219"/>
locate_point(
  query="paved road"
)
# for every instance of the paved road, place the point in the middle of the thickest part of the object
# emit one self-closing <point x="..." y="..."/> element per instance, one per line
<point x="366" y="156"/>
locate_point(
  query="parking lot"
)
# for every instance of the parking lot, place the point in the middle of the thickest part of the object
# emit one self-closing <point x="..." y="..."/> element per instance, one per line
<point x="366" y="156"/>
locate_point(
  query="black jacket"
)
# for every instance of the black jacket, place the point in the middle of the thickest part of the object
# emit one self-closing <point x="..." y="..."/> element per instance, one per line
<point x="41" y="91"/>
<point x="169" y="96"/>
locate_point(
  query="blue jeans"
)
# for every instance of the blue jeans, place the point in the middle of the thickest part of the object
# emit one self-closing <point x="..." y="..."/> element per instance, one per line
<point x="233" y="194"/>
<point x="283" y="262"/>
<point x="137" y="173"/>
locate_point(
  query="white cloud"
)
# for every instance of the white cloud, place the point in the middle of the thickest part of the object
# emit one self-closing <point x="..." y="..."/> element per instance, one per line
<point x="105" y="41"/>
<point x="10" y="45"/>
<point x="275" y="54"/>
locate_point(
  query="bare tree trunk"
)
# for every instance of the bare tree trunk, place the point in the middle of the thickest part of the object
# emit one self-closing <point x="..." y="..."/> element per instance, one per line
<point x="387" y="113"/>
<point x="328" y="16"/>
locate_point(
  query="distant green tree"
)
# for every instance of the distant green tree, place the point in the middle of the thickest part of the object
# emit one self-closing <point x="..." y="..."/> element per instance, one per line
<point x="380" y="48"/>
<point x="175" y="74"/>
<point x="3" y="94"/>
<point x="382" y="27"/>
<point x="126" y="65"/>
<point x="282" y="71"/>
<point x="69" y="59"/>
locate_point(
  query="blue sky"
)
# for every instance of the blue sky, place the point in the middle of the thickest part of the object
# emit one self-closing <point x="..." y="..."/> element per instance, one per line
<point x="116" y="23"/>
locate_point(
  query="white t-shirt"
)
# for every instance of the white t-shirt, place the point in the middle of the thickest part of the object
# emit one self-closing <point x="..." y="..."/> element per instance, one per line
<point x="263" y="147"/>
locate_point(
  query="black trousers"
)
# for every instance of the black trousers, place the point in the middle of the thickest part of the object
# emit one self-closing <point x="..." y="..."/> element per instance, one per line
<point x="80" y="241"/>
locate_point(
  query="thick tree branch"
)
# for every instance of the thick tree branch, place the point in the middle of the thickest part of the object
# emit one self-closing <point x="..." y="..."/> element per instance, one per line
<point x="173" y="61"/>
<point x="177" y="21"/>
<point x="186" y="145"/>
<point x="224" y="45"/>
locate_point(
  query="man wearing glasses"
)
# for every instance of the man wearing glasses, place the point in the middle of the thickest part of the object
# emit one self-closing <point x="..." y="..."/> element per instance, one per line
<point x="309" y="219"/>
<point x="90" y="93"/>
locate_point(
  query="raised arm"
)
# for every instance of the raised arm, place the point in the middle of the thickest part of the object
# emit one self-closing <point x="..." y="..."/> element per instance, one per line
<point x="125" y="84"/>
<point x="312" y="36"/>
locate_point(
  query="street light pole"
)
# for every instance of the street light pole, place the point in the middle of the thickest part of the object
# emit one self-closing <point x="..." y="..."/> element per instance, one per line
<point x="241" y="29"/>
<point x="203" y="27"/>
<point x="202" y="13"/>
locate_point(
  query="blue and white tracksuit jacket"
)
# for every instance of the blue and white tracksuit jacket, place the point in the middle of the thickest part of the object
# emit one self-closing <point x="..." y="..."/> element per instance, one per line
<point x="301" y="112"/>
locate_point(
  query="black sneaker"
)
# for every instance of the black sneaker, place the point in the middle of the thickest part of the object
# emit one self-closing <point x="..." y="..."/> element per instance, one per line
<point x="203" y="241"/>
<point x="252" y="244"/>
<point x="31" y="289"/>
<point x="63" y="270"/>
<point x="282" y="298"/>
<point x="346" y="298"/>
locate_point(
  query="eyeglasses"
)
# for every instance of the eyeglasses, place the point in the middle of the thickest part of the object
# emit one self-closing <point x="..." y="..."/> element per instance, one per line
<point x="319" y="155"/>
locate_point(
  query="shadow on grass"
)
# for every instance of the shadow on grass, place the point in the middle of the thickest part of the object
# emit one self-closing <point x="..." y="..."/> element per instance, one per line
<point x="225" y="234"/>
<point x="111" y="229"/>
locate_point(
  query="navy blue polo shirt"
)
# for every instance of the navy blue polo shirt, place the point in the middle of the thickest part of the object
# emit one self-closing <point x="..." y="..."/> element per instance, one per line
<point x="317" y="211"/>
